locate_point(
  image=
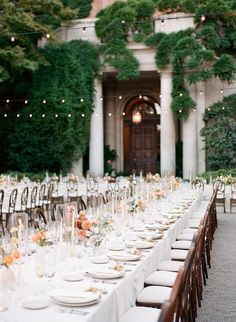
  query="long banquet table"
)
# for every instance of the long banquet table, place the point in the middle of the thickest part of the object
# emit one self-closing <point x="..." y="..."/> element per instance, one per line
<point x="118" y="295"/>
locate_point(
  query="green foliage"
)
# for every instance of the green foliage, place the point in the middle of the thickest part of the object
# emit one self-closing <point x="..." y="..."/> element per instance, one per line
<point x="114" y="26"/>
<point x="218" y="173"/>
<point x="196" y="54"/>
<point x="220" y="134"/>
<point x="50" y="143"/>
<point x="84" y="6"/>
<point x="109" y="156"/>
<point x="225" y="68"/>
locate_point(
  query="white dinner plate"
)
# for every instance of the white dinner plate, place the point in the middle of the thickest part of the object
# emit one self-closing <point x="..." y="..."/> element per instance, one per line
<point x="149" y="235"/>
<point x="35" y="303"/>
<point x="124" y="257"/>
<point x="72" y="277"/>
<point x="99" y="260"/>
<point x="75" y="304"/>
<point x="74" y="297"/>
<point x="140" y="245"/>
<point x="105" y="274"/>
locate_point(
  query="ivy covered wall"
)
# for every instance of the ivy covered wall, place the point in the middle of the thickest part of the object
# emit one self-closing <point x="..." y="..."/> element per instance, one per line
<point x="196" y="54"/>
<point x="220" y="134"/>
<point x="52" y="142"/>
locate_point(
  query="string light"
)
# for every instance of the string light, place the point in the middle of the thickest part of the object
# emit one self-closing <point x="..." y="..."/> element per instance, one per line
<point x="81" y="100"/>
<point x="120" y="97"/>
<point x="180" y="111"/>
<point x="63" y="101"/>
<point x="26" y="101"/>
<point x="208" y="109"/>
<point x="101" y="98"/>
<point x="44" y="101"/>
<point x="13" y="39"/>
<point x="140" y="97"/>
<point x="109" y="114"/>
<point x="203" y="18"/>
<point x="180" y="94"/>
<point x="162" y="22"/>
<point x="84" y="29"/>
<point x="17" y="115"/>
<point x="194" y="110"/>
<point x="223" y="107"/>
<point x="5" y="115"/>
<point x="69" y="115"/>
<point x="201" y="92"/>
<point x="48" y="36"/>
<point x="30" y="115"/>
<point x="7" y="101"/>
<point x="160" y="95"/>
<point x="43" y="115"/>
<point x="83" y="115"/>
<point x="56" y="115"/>
<point x="222" y="91"/>
<point x="123" y="113"/>
<point x="122" y="22"/>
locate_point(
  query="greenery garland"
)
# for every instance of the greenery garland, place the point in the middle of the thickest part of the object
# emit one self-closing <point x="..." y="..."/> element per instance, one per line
<point x="220" y="134"/>
<point x="51" y="143"/>
<point x="195" y="54"/>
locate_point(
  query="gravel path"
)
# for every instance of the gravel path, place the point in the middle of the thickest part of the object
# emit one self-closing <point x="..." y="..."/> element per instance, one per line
<point x="219" y="295"/>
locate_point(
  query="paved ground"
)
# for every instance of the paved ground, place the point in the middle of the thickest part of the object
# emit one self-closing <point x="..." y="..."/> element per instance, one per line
<point x="219" y="296"/>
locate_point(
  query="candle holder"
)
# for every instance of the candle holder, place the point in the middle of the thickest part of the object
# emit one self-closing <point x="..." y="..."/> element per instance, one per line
<point x="19" y="227"/>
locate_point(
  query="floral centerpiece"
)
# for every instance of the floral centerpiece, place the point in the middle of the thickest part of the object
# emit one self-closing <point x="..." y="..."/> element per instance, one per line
<point x="136" y="205"/>
<point x="158" y="193"/>
<point x="7" y="258"/>
<point x="152" y="177"/>
<point x="82" y="225"/>
<point x="40" y="238"/>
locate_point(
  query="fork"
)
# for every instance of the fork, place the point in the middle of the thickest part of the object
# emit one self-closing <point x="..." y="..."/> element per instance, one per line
<point x="71" y="311"/>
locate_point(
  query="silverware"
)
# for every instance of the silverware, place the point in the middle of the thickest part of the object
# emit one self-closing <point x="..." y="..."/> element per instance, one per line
<point x="104" y="281"/>
<point x="71" y="311"/>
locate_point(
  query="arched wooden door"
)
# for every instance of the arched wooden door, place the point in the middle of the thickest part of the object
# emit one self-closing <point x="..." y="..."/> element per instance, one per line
<point x="142" y="140"/>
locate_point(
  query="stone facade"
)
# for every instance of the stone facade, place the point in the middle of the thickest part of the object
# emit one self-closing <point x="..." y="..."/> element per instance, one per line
<point x="107" y="125"/>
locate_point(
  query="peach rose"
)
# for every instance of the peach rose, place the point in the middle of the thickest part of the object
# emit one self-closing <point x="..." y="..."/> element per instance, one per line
<point x="82" y="215"/>
<point x="15" y="254"/>
<point x="35" y="238"/>
<point x="8" y="260"/>
<point x="86" y="224"/>
<point x="82" y="234"/>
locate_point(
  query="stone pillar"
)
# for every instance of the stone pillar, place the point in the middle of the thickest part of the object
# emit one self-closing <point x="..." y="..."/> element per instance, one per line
<point x="168" y="137"/>
<point x="96" y="145"/>
<point x="110" y="120"/>
<point x="201" y="102"/>
<point x="189" y="132"/>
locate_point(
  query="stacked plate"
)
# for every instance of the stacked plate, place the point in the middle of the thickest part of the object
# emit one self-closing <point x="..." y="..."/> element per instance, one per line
<point x="74" y="298"/>
<point x="139" y="244"/>
<point x="123" y="256"/>
<point x="149" y="235"/>
<point x="105" y="273"/>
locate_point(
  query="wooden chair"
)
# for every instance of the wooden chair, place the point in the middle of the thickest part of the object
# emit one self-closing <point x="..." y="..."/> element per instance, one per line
<point x="24" y="200"/>
<point x="11" y="206"/>
<point x="219" y="186"/>
<point x="233" y="196"/>
<point x="198" y="184"/>
<point x="1" y="204"/>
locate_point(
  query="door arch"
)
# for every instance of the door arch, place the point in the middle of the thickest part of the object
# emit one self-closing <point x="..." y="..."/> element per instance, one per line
<point x="142" y="140"/>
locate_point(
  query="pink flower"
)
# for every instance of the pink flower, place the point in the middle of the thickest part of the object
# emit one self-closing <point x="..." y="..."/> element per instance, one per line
<point x="82" y="215"/>
<point x="82" y="234"/>
<point x="86" y="224"/>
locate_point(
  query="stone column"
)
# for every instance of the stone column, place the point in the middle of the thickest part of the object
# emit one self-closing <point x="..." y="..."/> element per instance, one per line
<point x="96" y="145"/>
<point x="201" y="102"/>
<point x="189" y="132"/>
<point x="168" y="137"/>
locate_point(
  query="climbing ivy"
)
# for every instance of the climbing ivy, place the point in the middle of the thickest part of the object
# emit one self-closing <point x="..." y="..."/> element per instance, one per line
<point x="52" y="143"/>
<point x="219" y="134"/>
<point x="115" y="25"/>
<point x="195" y="54"/>
<point x="83" y="6"/>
